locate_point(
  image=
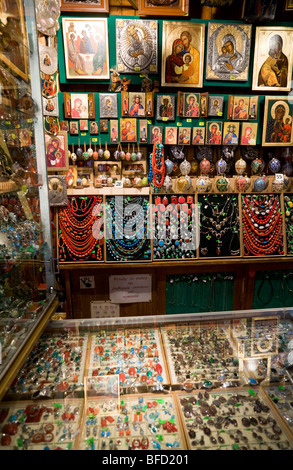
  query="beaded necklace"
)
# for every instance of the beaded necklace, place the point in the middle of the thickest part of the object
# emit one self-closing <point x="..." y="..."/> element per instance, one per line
<point x="158" y="165"/>
<point x="262" y="225"/>
<point x="76" y="221"/>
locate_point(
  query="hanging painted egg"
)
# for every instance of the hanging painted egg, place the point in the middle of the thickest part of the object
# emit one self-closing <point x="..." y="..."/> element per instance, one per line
<point x="107" y="154"/>
<point x="221" y="166"/>
<point x="90" y="152"/>
<point x="274" y="165"/>
<point x="240" y="166"/>
<point x="222" y="184"/>
<point x="139" y="156"/>
<point x="256" y="165"/>
<point x="122" y="155"/>
<point x="185" y="167"/>
<point x="169" y="166"/>
<point x="205" y="166"/>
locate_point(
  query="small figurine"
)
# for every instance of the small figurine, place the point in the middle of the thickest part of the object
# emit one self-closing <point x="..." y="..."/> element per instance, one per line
<point x="116" y="81"/>
<point x="146" y="84"/>
<point x="125" y="83"/>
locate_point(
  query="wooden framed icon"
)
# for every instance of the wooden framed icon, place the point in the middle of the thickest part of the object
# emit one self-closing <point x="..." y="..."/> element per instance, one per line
<point x="166" y="110"/>
<point x="231" y="133"/>
<point x="171" y="135"/>
<point x="228" y="51"/>
<point x="183" y="54"/>
<point x="56" y="152"/>
<point x="128" y="131"/>
<point x="277" y="123"/>
<point x="273" y="59"/>
<point x="249" y="133"/>
<point x="184" y="135"/>
<point x="241" y="108"/>
<point x="86" y="50"/>
<point x="156" y="134"/>
<point x="88" y="6"/>
<point x="198" y="136"/>
<point x="214" y="131"/>
<point x="163" y="8"/>
<point x="191" y="107"/>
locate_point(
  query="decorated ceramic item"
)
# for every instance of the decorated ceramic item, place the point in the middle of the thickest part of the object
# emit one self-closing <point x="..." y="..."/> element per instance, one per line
<point x="168" y="183"/>
<point x="240" y="166"/>
<point x="242" y="183"/>
<point x="205" y="166"/>
<point x="185" y="167"/>
<point x="222" y="184"/>
<point x="169" y="166"/>
<point x="203" y="184"/>
<point x="274" y="165"/>
<point x="257" y="165"/>
<point x="221" y="166"/>
<point x="259" y="184"/>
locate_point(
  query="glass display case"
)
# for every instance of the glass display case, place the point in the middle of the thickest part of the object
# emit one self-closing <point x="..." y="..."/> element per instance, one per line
<point x="27" y="286"/>
<point x="215" y="381"/>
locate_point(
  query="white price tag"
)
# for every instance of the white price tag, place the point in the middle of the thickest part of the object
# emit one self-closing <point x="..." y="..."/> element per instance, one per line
<point x="279" y="177"/>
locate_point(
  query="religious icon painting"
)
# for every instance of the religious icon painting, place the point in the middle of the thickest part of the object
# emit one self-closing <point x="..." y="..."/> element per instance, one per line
<point x="51" y="106"/>
<point x="114" y="131"/>
<point x="86" y="49"/>
<point x="231" y="133"/>
<point x="156" y="134"/>
<point x="90" y="6"/>
<point x="273" y="59"/>
<point x="204" y="103"/>
<point x="56" y="152"/>
<point x="94" y="128"/>
<point x="183" y="54"/>
<point x="136" y="103"/>
<point x="277" y="127"/>
<point x="49" y="85"/>
<point x="136" y="46"/>
<point x="25" y="138"/>
<point x="180" y="103"/>
<point x="171" y="135"/>
<point x="184" y="136"/>
<point x="149" y="104"/>
<point x="74" y="128"/>
<point x="143" y="131"/>
<point x="228" y="51"/>
<point x="165" y="108"/>
<point x="198" y="136"/>
<point x="108" y="105"/>
<point x="191" y="107"/>
<point x="128" y="131"/>
<point x="104" y="126"/>
<point x="249" y="133"/>
<point x="124" y="103"/>
<point x="241" y="108"/>
<point x="214" y="132"/>
<point x="163" y="7"/>
<point x="67" y="105"/>
<point x="91" y="105"/>
<point x="230" y="107"/>
<point x="52" y="125"/>
<point x="253" y="107"/>
<point x="64" y="126"/>
<point x="79" y="106"/>
<point x="215" y="106"/>
<point x="83" y="125"/>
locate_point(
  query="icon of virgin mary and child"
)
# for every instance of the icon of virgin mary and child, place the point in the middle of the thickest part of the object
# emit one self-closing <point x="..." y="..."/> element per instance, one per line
<point x="230" y="61"/>
<point x="182" y="66"/>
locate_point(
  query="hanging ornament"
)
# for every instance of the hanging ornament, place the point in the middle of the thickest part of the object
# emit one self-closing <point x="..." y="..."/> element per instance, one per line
<point x="259" y="185"/>
<point x="168" y="183"/>
<point x="139" y="154"/>
<point x="205" y="166"/>
<point x="193" y="167"/>
<point x="116" y="154"/>
<point x="100" y="151"/>
<point x="95" y="154"/>
<point x="85" y="155"/>
<point x="106" y="152"/>
<point x="274" y="165"/>
<point x="240" y="166"/>
<point x="242" y="183"/>
<point x="203" y="184"/>
<point x="221" y="166"/>
<point x="90" y="151"/>
<point x="257" y="166"/>
<point x="185" y="167"/>
<point x="169" y="166"/>
<point x="133" y="155"/>
<point x="79" y="150"/>
<point x="73" y="155"/>
<point x="278" y="185"/>
<point x="222" y="184"/>
<point x="183" y="184"/>
<point x="128" y="155"/>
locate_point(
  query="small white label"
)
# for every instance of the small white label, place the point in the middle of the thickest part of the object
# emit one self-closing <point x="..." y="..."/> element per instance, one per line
<point x="279" y="177"/>
<point x="119" y="184"/>
<point x="87" y="282"/>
